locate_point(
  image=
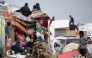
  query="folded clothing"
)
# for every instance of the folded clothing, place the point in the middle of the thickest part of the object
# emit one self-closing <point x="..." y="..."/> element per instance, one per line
<point x="38" y="14"/>
<point x="30" y="31"/>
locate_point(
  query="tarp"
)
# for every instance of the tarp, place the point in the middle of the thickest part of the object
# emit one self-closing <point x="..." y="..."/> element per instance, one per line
<point x="87" y="27"/>
<point x="69" y="54"/>
<point x="60" y="23"/>
<point x="70" y="47"/>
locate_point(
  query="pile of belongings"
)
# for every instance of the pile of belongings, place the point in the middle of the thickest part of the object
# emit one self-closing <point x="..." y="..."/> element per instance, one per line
<point x="4" y="4"/>
<point x="24" y="23"/>
<point x="40" y="50"/>
<point x="35" y="14"/>
<point x="9" y="16"/>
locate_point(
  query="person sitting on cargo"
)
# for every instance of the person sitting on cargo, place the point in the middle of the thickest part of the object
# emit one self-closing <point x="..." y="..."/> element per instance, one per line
<point x="25" y="10"/>
<point x="16" y="47"/>
<point x="41" y="39"/>
<point x="9" y="44"/>
<point x="73" y="27"/>
<point x="27" y="38"/>
<point x="37" y="7"/>
<point x="29" y="45"/>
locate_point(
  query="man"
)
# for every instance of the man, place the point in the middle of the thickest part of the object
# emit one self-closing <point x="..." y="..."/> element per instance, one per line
<point x="30" y="45"/>
<point x="83" y="44"/>
<point x="72" y="26"/>
<point x="37" y="7"/>
<point x="71" y="19"/>
<point x="16" y="47"/>
<point x="25" y="10"/>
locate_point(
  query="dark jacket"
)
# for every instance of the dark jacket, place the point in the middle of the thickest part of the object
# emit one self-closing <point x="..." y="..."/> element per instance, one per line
<point x="16" y="48"/>
<point x="36" y="7"/>
<point x="72" y="20"/>
<point x="73" y="27"/>
<point x="30" y="44"/>
<point x="25" y="11"/>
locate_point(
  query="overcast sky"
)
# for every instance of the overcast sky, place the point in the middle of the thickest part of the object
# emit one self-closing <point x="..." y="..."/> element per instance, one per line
<point x="81" y="10"/>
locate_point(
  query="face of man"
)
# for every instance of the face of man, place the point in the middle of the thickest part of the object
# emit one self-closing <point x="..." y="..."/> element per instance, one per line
<point x="38" y="4"/>
<point x="81" y="35"/>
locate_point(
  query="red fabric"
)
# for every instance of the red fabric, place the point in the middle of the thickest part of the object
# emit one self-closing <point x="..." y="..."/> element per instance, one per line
<point x="22" y="44"/>
<point x="45" y="36"/>
<point x="69" y="54"/>
<point x="19" y="34"/>
<point x="45" y="24"/>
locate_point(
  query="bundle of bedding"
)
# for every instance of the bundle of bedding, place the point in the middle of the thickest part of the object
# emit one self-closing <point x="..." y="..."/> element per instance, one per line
<point x="30" y="17"/>
<point x="25" y="23"/>
<point x="22" y="17"/>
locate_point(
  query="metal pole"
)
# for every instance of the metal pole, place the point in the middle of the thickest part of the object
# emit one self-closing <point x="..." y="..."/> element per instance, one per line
<point x="48" y="32"/>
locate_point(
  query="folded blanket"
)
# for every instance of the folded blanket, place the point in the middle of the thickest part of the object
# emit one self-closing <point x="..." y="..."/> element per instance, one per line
<point x="30" y="31"/>
<point x="22" y="17"/>
<point x="38" y="14"/>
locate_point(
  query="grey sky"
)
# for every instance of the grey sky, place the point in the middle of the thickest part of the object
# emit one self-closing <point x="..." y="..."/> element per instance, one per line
<point x="81" y="10"/>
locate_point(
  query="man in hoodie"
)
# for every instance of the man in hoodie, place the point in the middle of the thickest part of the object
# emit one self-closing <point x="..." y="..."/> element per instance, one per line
<point x="25" y="10"/>
<point x="37" y="7"/>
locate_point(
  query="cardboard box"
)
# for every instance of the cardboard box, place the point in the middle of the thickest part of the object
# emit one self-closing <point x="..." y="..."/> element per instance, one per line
<point x="74" y="32"/>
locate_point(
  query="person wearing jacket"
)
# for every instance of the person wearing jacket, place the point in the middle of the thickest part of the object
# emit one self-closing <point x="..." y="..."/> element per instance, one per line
<point x="25" y="10"/>
<point x="30" y="45"/>
<point x="17" y="48"/>
<point x="71" y="19"/>
<point x="37" y="7"/>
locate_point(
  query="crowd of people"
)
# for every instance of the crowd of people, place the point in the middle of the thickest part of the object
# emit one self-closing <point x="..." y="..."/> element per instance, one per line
<point x="23" y="45"/>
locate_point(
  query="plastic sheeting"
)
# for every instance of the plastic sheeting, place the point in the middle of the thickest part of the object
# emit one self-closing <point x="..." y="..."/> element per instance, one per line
<point x="69" y="54"/>
<point x="87" y="27"/>
<point x="60" y="23"/>
<point x="70" y="47"/>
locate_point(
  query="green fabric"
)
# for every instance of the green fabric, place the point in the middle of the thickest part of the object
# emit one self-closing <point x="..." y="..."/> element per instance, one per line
<point x="39" y="27"/>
